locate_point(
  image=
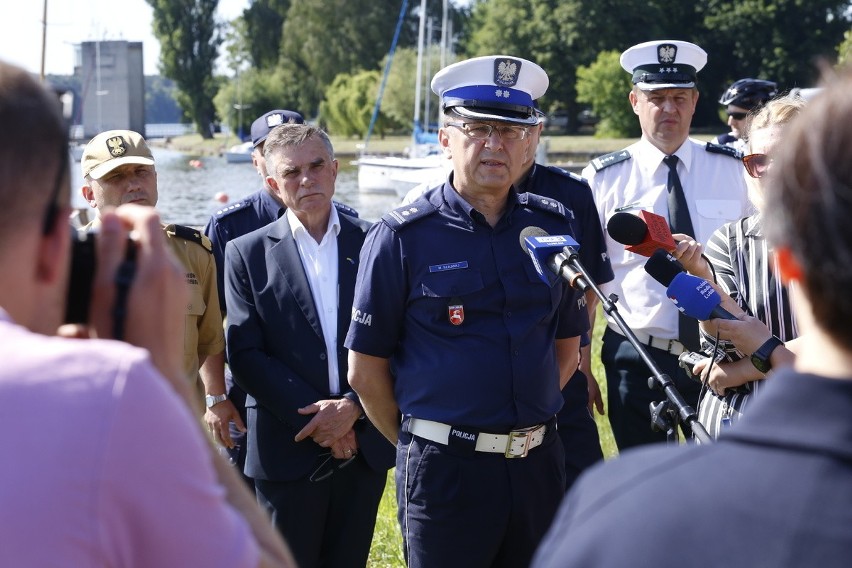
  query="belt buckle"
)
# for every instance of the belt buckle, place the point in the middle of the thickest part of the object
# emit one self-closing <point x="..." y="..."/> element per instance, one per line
<point x="522" y="437"/>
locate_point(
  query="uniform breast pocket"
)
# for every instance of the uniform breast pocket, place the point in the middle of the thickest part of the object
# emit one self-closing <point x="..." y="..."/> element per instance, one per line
<point x="447" y="299"/>
<point x="713" y="213"/>
<point x="541" y="293"/>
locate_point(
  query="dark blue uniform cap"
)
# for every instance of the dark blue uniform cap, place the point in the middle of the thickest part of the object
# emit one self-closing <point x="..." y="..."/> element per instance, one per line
<point x="261" y="127"/>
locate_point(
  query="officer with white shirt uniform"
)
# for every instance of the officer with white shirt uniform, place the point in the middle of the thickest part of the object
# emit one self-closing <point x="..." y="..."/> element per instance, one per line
<point x="704" y="179"/>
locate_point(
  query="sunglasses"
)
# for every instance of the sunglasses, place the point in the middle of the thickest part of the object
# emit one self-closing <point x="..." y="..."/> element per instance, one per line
<point x="329" y="465"/>
<point x="738" y="115"/>
<point x="757" y="164"/>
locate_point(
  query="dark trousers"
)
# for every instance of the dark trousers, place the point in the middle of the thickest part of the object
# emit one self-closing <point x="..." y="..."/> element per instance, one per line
<point x="577" y="429"/>
<point x="475" y="509"/>
<point x="628" y="394"/>
<point x="326" y="523"/>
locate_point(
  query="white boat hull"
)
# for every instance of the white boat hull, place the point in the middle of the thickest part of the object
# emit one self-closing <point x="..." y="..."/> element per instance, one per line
<point x="391" y="174"/>
<point x="239" y="154"/>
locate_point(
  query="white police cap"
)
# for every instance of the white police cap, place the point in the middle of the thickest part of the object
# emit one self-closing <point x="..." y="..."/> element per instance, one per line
<point x="494" y="87"/>
<point x="664" y="64"/>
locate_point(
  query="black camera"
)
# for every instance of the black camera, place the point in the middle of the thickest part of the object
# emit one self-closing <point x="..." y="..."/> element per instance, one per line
<point x="82" y="273"/>
<point x="80" y="277"/>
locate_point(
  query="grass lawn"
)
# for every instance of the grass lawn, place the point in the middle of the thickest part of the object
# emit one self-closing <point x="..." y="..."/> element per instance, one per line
<point x="386" y="551"/>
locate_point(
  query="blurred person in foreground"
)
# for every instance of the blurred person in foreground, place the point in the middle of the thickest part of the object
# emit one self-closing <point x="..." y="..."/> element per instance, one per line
<point x="453" y="329"/>
<point x="774" y="491"/>
<point x="319" y="467"/>
<point x="742" y="100"/>
<point x="118" y="167"/>
<point x="88" y="478"/>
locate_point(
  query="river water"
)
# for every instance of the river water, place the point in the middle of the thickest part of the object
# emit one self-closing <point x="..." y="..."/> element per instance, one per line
<point x="186" y="193"/>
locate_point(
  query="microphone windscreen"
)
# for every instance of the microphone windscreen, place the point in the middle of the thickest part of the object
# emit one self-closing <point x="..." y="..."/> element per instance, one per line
<point x="626" y="228"/>
<point x="693" y="296"/>
<point x="530" y="232"/>
<point x="663" y="267"/>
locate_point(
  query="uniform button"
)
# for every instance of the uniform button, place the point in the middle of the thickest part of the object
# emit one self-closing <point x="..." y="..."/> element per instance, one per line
<point x="322" y="356"/>
<point x="515" y="352"/>
<point x="508" y="314"/>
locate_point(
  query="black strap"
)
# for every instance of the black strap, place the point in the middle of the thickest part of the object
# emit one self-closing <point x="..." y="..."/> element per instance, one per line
<point x="680" y="222"/>
<point x="123" y="280"/>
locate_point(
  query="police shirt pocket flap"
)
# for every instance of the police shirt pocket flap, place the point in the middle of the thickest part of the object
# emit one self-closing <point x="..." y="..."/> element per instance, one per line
<point x="452" y="283"/>
<point x="718" y="208"/>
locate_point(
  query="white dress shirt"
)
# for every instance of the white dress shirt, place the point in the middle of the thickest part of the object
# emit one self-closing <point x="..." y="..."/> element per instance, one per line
<point x="715" y="191"/>
<point x="320" y="263"/>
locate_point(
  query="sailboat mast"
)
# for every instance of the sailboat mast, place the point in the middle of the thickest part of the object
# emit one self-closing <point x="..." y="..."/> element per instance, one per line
<point x="419" y="79"/>
<point x="43" y="38"/>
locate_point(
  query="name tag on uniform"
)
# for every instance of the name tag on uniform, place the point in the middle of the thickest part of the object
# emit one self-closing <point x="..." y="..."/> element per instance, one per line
<point x="448" y="266"/>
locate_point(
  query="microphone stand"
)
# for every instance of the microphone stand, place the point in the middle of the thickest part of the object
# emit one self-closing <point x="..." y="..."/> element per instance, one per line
<point x="665" y="415"/>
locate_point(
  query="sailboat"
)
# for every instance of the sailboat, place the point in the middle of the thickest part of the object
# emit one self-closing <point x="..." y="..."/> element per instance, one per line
<point x="425" y="163"/>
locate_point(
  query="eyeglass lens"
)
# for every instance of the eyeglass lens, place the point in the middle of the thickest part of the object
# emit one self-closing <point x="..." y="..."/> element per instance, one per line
<point x="757" y="164"/>
<point x="737" y="115"/>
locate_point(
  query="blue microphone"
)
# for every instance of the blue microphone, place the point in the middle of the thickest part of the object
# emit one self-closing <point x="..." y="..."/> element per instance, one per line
<point x="557" y="253"/>
<point x="696" y="298"/>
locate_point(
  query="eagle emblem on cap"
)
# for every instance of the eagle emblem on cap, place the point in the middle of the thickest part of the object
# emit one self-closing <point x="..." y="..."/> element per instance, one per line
<point x="666" y="53"/>
<point x="506" y="72"/>
<point x="117" y="146"/>
<point x="274" y="120"/>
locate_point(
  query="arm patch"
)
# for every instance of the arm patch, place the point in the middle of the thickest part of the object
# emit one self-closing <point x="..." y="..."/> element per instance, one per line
<point x="190" y="234"/>
<point x="723" y="149"/>
<point x="608" y="160"/>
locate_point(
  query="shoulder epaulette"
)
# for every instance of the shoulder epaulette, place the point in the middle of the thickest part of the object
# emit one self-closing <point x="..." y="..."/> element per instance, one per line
<point x="724" y="149"/>
<point x="231" y="208"/>
<point x="405" y="215"/>
<point x="190" y="234"/>
<point x="343" y="208"/>
<point x="565" y="173"/>
<point x="607" y="160"/>
<point x="546" y="204"/>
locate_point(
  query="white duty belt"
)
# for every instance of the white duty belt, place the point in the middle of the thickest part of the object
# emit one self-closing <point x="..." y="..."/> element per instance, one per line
<point x="515" y="444"/>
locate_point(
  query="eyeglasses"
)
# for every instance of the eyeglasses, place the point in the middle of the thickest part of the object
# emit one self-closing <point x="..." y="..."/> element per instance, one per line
<point x="481" y="131"/>
<point x="757" y="164"/>
<point x="329" y="465"/>
<point x="738" y="115"/>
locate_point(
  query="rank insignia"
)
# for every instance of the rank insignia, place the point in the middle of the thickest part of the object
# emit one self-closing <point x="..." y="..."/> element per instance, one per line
<point x="666" y="53"/>
<point x="506" y="72"/>
<point x="117" y="146"/>
<point x="456" y="313"/>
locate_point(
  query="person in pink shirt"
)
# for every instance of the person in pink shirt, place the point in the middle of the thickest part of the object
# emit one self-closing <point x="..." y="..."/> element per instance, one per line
<point x="106" y="465"/>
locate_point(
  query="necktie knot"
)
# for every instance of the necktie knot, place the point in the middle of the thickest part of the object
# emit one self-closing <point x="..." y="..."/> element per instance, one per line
<point x="671" y="162"/>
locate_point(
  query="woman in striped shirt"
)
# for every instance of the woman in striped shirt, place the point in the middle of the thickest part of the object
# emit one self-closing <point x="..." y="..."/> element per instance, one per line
<point x="746" y="271"/>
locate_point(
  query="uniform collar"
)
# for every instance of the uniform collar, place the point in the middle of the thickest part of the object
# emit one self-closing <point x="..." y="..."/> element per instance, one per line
<point x="270" y="204"/>
<point x="465" y="210"/>
<point x="647" y="153"/>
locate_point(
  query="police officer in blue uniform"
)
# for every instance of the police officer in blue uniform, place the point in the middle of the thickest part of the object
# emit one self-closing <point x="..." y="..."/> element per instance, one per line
<point x="242" y="217"/>
<point x="453" y="329"/>
<point x="577" y="427"/>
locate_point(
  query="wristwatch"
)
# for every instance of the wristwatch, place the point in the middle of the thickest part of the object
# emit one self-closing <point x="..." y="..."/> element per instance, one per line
<point x="760" y="358"/>
<point x="214" y="399"/>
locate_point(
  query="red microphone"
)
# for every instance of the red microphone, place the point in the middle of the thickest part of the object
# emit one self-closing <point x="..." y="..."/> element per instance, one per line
<point x="642" y="234"/>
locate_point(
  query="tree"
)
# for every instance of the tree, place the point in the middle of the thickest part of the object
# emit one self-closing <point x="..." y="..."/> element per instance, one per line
<point x="605" y="86"/>
<point x="189" y="45"/>
<point x="264" y="20"/>
<point x="844" y="50"/>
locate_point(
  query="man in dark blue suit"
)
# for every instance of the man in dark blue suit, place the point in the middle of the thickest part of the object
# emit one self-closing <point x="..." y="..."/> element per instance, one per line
<point x="319" y="465"/>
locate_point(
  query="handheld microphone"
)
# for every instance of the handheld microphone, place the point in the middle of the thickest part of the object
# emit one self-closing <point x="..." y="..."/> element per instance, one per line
<point x="642" y="234"/>
<point x="663" y="267"/>
<point x="696" y="298"/>
<point x="557" y="253"/>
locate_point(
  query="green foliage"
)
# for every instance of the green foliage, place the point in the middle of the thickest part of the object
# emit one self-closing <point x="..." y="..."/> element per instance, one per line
<point x="263" y="21"/>
<point x="348" y="105"/>
<point x="605" y="86"/>
<point x="844" y="50"/>
<point x="160" y="105"/>
<point x="189" y="45"/>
